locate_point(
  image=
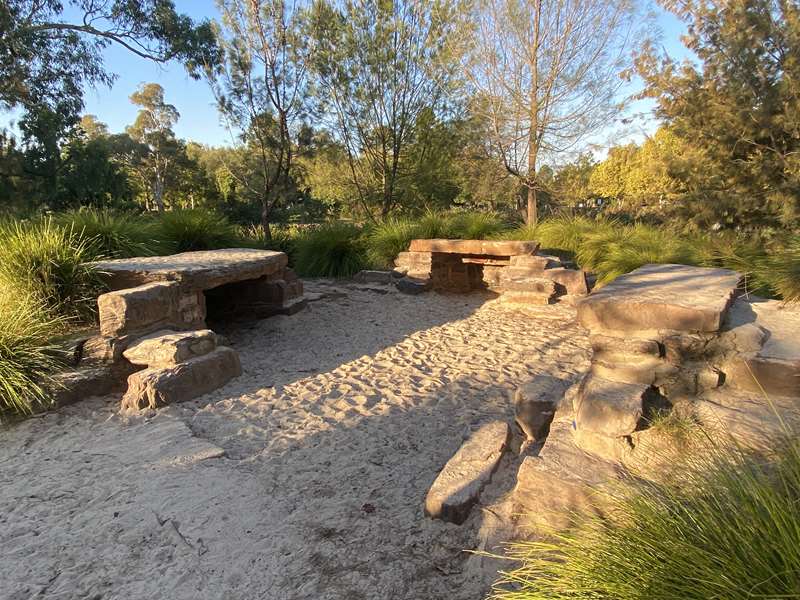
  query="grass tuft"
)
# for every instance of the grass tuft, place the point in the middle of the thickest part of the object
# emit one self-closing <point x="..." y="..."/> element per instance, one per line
<point x="333" y="250"/>
<point x="196" y="229"/>
<point x="723" y="526"/>
<point x="113" y="234"/>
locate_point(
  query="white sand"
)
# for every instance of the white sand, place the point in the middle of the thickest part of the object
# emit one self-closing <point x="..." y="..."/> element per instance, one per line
<point x="265" y="488"/>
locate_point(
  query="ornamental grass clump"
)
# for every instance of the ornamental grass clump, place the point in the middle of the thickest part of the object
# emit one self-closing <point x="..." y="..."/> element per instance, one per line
<point x="388" y="239"/>
<point x="187" y="230"/>
<point x="333" y="250"/>
<point x="46" y="264"/>
<point x="723" y="525"/>
<point x="112" y="234"/>
<point x="28" y="360"/>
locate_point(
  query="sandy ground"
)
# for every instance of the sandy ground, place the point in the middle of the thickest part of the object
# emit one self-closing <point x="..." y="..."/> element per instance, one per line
<point x="303" y="478"/>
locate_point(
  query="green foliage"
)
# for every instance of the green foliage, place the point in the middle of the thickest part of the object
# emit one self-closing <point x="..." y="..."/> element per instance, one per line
<point x="724" y="525"/>
<point x="568" y="233"/>
<point x="283" y="238"/>
<point x="196" y="229"/>
<point x="736" y="108"/>
<point x="332" y="250"/>
<point x="47" y="263"/>
<point x="388" y="239"/>
<point x="782" y="270"/>
<point x="475" y="225"/>
<point x="112" y="234"/>
<point x="27" y="358"/>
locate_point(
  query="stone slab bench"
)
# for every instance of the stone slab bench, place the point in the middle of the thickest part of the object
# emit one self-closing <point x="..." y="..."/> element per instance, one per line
<point x="508" y="267"/>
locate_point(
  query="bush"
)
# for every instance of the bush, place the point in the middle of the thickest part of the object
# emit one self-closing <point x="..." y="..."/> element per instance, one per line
<point x="725" y="526"/>
<point x="283" y="238"/>
<point x="476" y="226"/>
<point x="27" y="359"/>
<point x="432" y="225"/>
<point x="781" y="269"/>
<point x="568" y="233"/>
<point x="388" y="239"/>
<point x="46" y="264"/>
<point x="196" y="229"/>
<point x="333" y="250"/>
<point x="112" y="234"/>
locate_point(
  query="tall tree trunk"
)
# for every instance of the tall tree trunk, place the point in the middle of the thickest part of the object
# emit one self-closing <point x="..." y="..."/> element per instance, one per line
<point x="265" y="220"/>
<point x="533" y="212"/>
<point x="158" y="193"/>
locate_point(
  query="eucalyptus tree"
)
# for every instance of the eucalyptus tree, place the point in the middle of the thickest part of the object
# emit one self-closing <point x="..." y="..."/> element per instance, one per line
<point x="378" y="65"/>
<point x="261" y="88"/>
<point x="547" y="76"/>
<point x="158" y="150"/>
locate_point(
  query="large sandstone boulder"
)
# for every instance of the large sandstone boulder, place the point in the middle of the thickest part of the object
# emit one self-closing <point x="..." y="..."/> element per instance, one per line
<point x="458" y="486"/>
<point x="146" y="307"/>
<point x="167" y="348"/>
<point x="159" y="386"/>
<point x="661" y="297"/>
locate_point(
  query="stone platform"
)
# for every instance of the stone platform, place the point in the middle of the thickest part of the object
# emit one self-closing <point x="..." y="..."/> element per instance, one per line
<point x="153" y="319"/>
<point x="510" y="268"/>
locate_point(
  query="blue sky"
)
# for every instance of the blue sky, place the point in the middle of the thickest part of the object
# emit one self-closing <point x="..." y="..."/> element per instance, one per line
<point x="199" y="119"/>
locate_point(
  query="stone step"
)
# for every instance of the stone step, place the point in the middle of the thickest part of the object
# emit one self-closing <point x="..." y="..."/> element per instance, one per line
<point x="648" y="370"/>
<point x="659" y="297"/>
<point x="167" y="348"/>
<point x="458" y="486"/>
<point x="535" y="263"/>
<point x="159" y="386"/>
<point x="525" y="298"/>
<point x="413" y="285"/>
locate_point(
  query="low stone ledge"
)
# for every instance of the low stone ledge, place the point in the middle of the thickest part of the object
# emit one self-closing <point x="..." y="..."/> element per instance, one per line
<point x="458" y="486"/>
<point x="156" y="387"/>
<point x="167" y="348"/>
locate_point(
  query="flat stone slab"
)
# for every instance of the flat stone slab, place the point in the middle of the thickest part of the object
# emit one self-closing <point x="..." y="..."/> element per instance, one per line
<point x="458" y="486"/>
<point x="167" y="348"/>
<point x="609" y="408"/>
<point x="194" y="270"/>
<point x="481" y="247"/>
<point x="658" y="297"/>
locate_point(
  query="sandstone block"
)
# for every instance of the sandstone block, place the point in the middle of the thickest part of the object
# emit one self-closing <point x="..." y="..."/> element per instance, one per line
<point x="573" y="282"/>
<point x="620" y="349"/>
<point x="194" y="270"/>
<point x="533" y="285"/>
<point x="168" y="348"/>
<point x="646" y="370"/>
<point x="534" y="263"/>
<point x="146" y="307"/>
<point x="526" y="298"/>
<point x="535" y="405"/>
<point x="75" y="385"/>
<point x="458" y="486"/>
<point x="155" y="387"/>
<point x="477" y="247"/>
<point x="609" y="408"/>
<point x="658" y="297"/>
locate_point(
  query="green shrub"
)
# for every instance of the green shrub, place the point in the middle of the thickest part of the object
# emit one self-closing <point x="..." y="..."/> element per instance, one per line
<point x="47" y="264"/>
<point x="333" y="250"/>
<point x="283" y="238"/>
<point x="476" y="225"/>
<point x="781" y="269"/>
<point x="567" y="233"/>
<point x="521" y="233"/>
<point x="196" y="229"/>
<point x="27" y="359"/>
<point x="724" y="526"/>
<point x="386" y="240"/>
<point x="114" y="234"/>
<point x="431" y="226"/>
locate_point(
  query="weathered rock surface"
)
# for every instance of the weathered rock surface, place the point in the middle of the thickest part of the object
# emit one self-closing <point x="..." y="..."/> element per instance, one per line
<point x="609" y="408"/>
<point x="658" y="297"/>
<point x="535" y="405"/>
<point x="78" y="384"/>
<point x="479" y="247"/>
<point x="534" y="262"/>
<point x="374" y="276"/>
<point x="765" y="357"/>
<point x="155" y="387"/>
<point x="146" y="307"/>
<point x="413" y="285"/>
<point x="167" y="348"/>
<point x="194" y="270"/>
<point x="458" y="486"/>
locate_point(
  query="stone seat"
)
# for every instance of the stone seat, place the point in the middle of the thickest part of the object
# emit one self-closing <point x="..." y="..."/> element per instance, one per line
<point x="474" y="247"/>
<point x="195" y="271"/>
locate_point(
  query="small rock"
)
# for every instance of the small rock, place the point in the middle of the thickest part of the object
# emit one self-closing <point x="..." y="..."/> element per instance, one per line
<point x="457" y="488"/>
